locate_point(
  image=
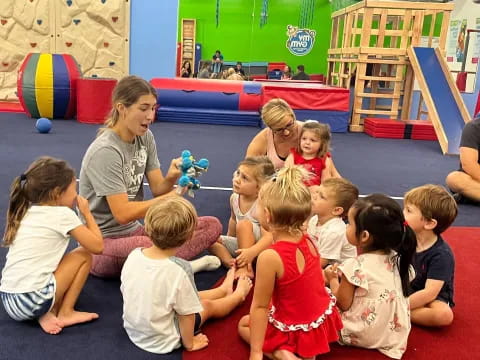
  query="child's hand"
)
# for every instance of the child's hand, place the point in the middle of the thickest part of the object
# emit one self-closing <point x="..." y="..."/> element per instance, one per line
<point x="200" y="341"/>
<point x="82" y="205"/>
<point x="245" y="257"/>
<point x="331" y="272"/>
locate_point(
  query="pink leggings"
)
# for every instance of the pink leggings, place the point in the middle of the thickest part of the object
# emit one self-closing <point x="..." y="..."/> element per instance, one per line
<point x="116" y="250"/>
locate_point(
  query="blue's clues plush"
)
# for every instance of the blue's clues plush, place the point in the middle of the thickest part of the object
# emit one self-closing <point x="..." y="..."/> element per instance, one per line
<point x="191" y="169"/>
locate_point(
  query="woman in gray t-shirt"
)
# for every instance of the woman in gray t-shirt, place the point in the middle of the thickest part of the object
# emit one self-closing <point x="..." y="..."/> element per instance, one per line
<point x="112" y="174"/>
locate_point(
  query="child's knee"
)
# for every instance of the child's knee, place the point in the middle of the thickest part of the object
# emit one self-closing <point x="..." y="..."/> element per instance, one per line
<point x="84" y="254"/>
<point x="244" y="226"/>
<point x="244" y="321"/>
<point x="443" y="314"/>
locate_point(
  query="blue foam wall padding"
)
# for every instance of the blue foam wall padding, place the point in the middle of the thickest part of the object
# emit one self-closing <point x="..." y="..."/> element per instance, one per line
<point x="252" y="87"/>
<point x="206" y="116"/>
<point x="448" y="112"/>
<point x="198" y="99"/>
<point x="338" y="120"/>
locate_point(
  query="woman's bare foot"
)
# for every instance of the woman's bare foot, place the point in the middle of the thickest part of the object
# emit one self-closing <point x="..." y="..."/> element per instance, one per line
<point x="227" y="284"/>
<point x="76" y="317"/>
<point x="244" y="285"/>
<point x="284" y="355"/>
<point x="50" y="323"/>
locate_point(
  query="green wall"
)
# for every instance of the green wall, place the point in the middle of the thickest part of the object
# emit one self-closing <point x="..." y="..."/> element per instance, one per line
<point x="240" y="37"/>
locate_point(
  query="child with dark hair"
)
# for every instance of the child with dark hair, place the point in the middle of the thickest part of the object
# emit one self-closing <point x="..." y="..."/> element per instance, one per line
<point x="373" y="291"/>
<point x="239" y="69"/>
<point x="39" y="282"/>
<point x="162" y="308"/>
<point x="430" y="210"/>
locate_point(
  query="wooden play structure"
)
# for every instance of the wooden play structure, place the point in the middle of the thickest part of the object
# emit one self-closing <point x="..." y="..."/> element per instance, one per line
<point x="369" y="48"/>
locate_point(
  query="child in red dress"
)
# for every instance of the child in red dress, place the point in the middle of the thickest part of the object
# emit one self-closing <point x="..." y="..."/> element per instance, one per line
<point x="313" y="154"/>
<point x="293" y="314"/>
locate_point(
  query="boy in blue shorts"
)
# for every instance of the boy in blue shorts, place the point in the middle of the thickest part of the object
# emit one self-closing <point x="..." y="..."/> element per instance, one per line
<point x="429" y="210"/>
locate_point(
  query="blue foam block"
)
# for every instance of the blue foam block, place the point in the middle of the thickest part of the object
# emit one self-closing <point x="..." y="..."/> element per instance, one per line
<point x="208" y="116"/>
<point x="338" y="120"/>
<point x="198" y="99"/>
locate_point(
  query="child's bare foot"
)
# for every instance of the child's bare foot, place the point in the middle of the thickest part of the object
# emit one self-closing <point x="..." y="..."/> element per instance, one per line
<point x="244" y="285"/>
<point x="244" y="271"/>
<point x="76" y="317"/>
<point x="227" y="284"/>
<point x="284" y="355"/>
<point x="50" y="323"/>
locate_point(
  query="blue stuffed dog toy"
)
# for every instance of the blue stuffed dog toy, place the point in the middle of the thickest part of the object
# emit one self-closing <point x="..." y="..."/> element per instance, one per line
<point x="191" y="169"/>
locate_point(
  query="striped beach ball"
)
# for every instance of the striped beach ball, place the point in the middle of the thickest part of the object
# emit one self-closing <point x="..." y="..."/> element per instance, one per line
<point x="46" y="85"/>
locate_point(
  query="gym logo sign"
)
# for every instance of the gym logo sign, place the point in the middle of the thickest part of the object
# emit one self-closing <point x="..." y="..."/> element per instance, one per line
<point x="300" y="41"/>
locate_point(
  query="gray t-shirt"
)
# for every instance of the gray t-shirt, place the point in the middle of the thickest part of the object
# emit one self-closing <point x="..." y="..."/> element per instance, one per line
<point x="111" y="166"/>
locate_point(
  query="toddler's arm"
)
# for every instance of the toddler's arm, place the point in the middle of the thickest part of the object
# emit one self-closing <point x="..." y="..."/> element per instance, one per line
<point x="246" y="256"/>
<point x="427" y="295"/>
<point x="330" y="170"/>
<point x="232" y="222"/>
<point x="191" y="342"/>
<point x="269" y="265"/>
<point x="343" y="291"/>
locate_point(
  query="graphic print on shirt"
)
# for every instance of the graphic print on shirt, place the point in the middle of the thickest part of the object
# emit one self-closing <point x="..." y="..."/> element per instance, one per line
<point x="133" y="172"/>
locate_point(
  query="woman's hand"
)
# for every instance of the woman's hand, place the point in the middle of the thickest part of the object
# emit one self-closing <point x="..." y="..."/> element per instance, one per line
<point x="174" y="171"/>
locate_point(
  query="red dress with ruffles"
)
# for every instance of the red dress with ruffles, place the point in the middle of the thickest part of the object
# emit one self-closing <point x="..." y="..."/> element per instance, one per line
<point x="314" y="166"/>
<point x="303" y="317"/>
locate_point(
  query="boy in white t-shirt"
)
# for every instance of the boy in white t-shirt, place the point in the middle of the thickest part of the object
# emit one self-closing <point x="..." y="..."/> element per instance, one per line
<point x="162" y="308"/>
<point x="330" y="204"/>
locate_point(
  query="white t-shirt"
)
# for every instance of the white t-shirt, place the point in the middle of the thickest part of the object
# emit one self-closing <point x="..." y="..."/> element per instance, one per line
<point x="39" y="245"/>
<point x="154" y="292"/>
<point x="331" y="240"/>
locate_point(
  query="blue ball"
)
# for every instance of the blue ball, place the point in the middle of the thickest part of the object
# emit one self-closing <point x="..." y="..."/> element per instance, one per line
<point x="43" y="125"/>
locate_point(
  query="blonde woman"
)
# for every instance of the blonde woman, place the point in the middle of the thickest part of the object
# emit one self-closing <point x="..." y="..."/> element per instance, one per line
<point x="280" y="136"/>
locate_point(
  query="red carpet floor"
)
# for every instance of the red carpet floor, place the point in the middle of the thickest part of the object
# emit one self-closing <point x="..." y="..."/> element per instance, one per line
<point x="460" y="341"/>
<point x="9" y="106"/>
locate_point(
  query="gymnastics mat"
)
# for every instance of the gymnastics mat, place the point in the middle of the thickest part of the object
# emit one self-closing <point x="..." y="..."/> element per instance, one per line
<point x="458" y="341"/>
<point x="393" y="129"/>
<point x="11" y="106"/>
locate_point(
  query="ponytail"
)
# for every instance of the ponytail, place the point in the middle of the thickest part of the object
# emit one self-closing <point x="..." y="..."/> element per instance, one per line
<point x="405" y="251"/>
<point x="17" y="209"/>
<point x="287" y="199"/>
<point x="43" y="181"/>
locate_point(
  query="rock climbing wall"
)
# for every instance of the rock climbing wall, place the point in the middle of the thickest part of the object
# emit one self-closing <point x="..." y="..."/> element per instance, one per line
<point x="95" y="32"/>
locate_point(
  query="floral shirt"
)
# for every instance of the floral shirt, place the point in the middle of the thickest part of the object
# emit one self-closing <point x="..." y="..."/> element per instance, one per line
<point x="379" y="317"/>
